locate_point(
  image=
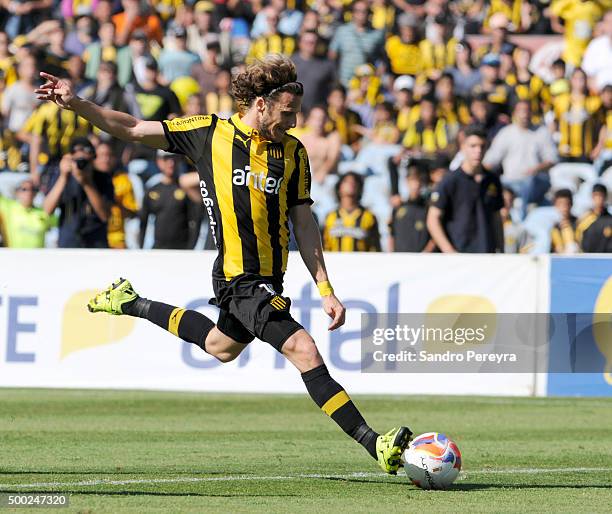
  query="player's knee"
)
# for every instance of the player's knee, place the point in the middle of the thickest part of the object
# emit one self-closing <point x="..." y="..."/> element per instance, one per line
<point x="301" y="348"/>
<point x="225" y="356"/>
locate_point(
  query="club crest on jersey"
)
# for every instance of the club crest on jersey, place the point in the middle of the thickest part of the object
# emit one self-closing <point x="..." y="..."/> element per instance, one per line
<point x="246" y="177"/>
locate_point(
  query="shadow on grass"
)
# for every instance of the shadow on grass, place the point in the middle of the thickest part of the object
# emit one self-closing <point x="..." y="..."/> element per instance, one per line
<point x="152" y="493"/>
<point x="476" y="487"/>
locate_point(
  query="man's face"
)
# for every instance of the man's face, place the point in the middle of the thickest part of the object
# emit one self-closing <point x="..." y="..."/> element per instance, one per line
<point x="360" y="14"/>
<point x="427" y="112"/>
<point x="490" y="73"/>
<point x="415" y="184"/>
<point x="83" y="154"/>
<point x="336" y="100"/>
<point x="25" y="193"/>
<point x="104" y="158"/>
<point x="522" y="114"/>
<point x="348" y="188"/>
<point x="202" y="20"/>
<point x="564" y="207"/>
<point x="578" y="81"/>
<point x="167" y="165"/>
<point x="316" y="119"/>
<point x="599" y="201"/>
<point x="27" y="69"/>
<point x="308" y="43"/>
<point x="279" y="116"/>
<point x="473" y="148"/>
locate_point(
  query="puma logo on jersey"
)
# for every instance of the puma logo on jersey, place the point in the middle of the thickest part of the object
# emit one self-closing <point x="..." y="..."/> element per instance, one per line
<point x="259" y="181"/>
<point x="239" y="138"/>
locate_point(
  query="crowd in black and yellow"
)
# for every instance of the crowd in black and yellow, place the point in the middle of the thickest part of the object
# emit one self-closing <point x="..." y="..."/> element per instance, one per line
<point x="404" y="75"/>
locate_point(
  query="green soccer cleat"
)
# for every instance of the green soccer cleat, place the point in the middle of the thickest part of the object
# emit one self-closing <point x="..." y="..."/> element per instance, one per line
<point x="113" y="298"/>
<point x="390" y="447"/>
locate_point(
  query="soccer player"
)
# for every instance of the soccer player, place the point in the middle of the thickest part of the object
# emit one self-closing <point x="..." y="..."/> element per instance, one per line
<point x="253" y="177"/>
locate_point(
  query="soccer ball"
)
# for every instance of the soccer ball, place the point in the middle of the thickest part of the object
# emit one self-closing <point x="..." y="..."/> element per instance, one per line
<point x="432" y="461"/>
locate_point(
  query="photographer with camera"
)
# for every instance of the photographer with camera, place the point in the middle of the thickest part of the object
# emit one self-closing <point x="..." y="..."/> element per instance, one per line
<point x="84" y="197"/>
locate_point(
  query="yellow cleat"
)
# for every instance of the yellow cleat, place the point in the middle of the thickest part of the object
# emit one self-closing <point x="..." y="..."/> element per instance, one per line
<point x="113" y="298"/>
<point x="390" y="447"/>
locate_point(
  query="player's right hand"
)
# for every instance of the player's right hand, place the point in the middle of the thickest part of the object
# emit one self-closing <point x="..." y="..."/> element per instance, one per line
<point x="55" y="90"/>
<point x="335" y="310"/>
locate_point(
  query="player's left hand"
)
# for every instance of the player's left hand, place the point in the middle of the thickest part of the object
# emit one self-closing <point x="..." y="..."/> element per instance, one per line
<point x="335" y="310"/>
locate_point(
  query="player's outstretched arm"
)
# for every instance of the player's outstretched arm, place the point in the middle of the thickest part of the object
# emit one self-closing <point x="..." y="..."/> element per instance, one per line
<point x="308" y="239"/>
<point x="118" y="124"/>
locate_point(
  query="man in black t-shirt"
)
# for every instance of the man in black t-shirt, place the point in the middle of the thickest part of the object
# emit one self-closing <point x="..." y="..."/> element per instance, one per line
<point x="407" y="227"/>
<point x="464" y="214"/>
<point x="176" y="216"/>
<point x="84" y="197"/>
<point x="595" y="227"/>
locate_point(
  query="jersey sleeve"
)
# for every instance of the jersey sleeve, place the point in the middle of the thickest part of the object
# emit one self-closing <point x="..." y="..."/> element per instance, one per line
<point x="299" y="183"/>
<point x="441" y="195"/>
<point x="187" y="136"/>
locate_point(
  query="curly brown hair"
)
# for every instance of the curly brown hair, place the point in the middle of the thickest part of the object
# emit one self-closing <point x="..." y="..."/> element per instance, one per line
<point x="263" y="77"/>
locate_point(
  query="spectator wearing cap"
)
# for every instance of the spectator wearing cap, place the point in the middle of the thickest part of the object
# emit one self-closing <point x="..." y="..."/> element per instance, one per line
<point x="150" y="100"/>
<point x="21" y="224"/>
<point x="464" y="213"/>
<point x="355" y="43"/>
<point x="525" y="153"/>
<point x="124" y="205"/>
<point x="408" y="223"/>
<point x="402" y="50"/>
<point x="201" y="32"/>
<point x="439" y="50"/>
<point x="563" y="236"/>
<point x="465" y="76"/>
<point x="271" y="41"/>
<point x="594" y="231"/>
<point x="176" y="216"/>
<point x="177" y="62"/>
<point x="133" y="17"/>
<point x="351" y="227"/>
<point x="365" y="92"/>
<point x="103" y="49"/>
<point x="597" y="60"/>
<point x="316" y="73"/>
<point x="579" y="18"/>
<point x="405" y="105"/>
<point x="84" y="197"/>
<point x="496" y="91"/>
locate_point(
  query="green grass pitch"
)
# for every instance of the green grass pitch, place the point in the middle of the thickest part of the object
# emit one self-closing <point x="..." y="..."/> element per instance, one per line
<point x="147" y="452"/>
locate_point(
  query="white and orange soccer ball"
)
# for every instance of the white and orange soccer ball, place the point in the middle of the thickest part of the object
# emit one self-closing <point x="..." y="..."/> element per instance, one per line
<point x="432" y="461"/>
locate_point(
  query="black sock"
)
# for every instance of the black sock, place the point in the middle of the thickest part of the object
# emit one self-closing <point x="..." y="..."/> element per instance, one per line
<point x="333" y="400"/>
<point x="191" y="326"/>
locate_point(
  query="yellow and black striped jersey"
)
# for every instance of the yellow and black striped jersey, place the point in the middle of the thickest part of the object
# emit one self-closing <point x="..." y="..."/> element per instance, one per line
<point x="272" y="44"/>
<point x="428" y="140"/>
<point x="579" y="121"/>
<point x="248" y="185"/>
<point x="564" y="236"/>
<point x="355" y="231"/>
<point x="438" y="56"/>
<point x="57" y="127"/>
<point x="535" y="91"/>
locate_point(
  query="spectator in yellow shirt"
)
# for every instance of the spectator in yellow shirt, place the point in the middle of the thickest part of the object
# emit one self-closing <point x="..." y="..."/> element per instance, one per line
<point x="579" y="18"/>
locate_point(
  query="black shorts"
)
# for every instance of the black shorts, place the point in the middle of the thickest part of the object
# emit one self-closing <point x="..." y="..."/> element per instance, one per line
<point x="252" y="306"/>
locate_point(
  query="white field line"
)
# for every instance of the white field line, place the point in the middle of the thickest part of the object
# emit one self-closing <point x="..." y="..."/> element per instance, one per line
<point x="229" y="478"/>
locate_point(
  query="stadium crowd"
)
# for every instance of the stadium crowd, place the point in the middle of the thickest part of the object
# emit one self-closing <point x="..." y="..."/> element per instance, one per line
<point x="439" y="125"/>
